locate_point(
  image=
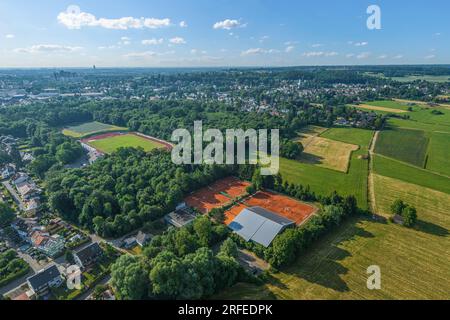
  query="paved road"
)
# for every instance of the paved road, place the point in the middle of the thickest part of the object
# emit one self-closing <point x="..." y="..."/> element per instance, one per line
<point x="14" y="194"/>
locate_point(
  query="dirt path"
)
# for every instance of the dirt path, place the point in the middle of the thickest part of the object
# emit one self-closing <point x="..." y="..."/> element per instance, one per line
<point x="370" y="183"/>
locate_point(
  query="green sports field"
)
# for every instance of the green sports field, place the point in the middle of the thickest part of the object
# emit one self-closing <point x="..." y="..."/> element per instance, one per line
<point x="404" y="145"/>
<point x="112" y="144"/>
<point x="90" y="128"/>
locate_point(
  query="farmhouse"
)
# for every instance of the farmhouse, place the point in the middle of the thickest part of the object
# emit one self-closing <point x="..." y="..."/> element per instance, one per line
<point x="259" y="225"/>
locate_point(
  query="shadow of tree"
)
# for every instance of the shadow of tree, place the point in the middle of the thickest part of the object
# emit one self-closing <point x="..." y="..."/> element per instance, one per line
<point x="310" y="158"/>
<point x="431" y="228"/>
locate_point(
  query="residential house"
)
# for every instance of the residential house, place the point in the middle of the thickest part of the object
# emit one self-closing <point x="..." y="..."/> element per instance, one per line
<point x="49" y="245"/>
<point x="8" y="171"/>
<point x="129" y="243"/>
<point x="32" y="206"/>
<point x="88" y="256"/>
<point x="45" y="279"/>
<point x="143" y="238"/>
<point x="181" y="216"/>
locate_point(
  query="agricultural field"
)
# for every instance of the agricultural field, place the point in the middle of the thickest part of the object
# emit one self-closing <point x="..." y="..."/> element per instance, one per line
<point x="388" y="104"/>
<point x="438" y="79"/>
<point x="439" y="153"/>
<point x="429" y="203"/>
<point x="91" y="128"/>
<point x="325" y="152"/>
<point x="335" y="267"/>
<point x="112" y="143"/>
<point x="408" y="173"/>
<point x="356" y="136"/>
<point x="414" y="264"/>
<point x="324" y="181"/>
<point x="412" y="124"/>
<point x="403" y="144"/>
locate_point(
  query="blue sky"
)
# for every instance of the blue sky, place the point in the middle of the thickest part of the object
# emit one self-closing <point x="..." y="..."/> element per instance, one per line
<point x="160" y="33"/>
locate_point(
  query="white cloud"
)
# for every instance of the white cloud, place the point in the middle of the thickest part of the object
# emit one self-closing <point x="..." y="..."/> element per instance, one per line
<point x="437" y="34"/>
<point x="183" y="24"/>
<point x="10" y="36"/>
<point x="48" y="48"/>
<point x="399" y="56"/>
<point x="349" y="55"/>
<point x="289" y="49"/>
<point x="290" y="43"/>
<point x="140" y="55"/>
<point x="124" y="41"/>
<point x="228" y="24"/>
<point x="361" y="44"/>
<point x="363" y="55"/>
<point x="107" y="47"/>
<point x="431" y="56"/>
<point x="316" y="45"/>
<point x="320" y="54"/>
<point x="383" y="56"/>
<point x="177" y="40"/>
<point x="263" y="38"/>
<point x="255" y="51"/>
<point x="74" y="18"/>
<point x="152" y="42"/>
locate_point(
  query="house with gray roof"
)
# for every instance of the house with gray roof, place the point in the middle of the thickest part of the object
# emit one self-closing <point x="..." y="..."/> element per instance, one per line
<point x="259" y="225"/>
<point x="45" y="279"/>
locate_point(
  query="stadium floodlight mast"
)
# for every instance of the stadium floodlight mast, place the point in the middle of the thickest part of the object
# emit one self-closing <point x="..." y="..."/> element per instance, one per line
<point x="256" y="140"/>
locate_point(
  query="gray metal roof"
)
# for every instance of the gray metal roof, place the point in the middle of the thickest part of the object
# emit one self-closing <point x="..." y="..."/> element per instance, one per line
<point x="259" y="225"/>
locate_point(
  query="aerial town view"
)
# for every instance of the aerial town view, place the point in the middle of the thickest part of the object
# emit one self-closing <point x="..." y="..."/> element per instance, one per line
<point x="208" y="151"/>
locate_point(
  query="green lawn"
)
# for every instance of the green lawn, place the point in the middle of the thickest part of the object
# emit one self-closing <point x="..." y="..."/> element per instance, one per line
<point x="404" y="145"/>
<point x="402" y="171"/>
<point x="111" y="144"/>
<point x="439" y="153"/>
<point x="324" y="181"/>
<point x="91" y="128"/>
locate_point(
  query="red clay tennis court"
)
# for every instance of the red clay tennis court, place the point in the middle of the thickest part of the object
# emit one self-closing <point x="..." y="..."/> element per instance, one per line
<point x="292" y="209"/>
<point x="217" y="194"/>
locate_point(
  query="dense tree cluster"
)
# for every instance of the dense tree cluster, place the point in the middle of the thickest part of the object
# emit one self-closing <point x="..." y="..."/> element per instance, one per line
<point x="180" y="265"/>
<point x="7" y="214"/>
<point x="126" y="190"/>
<point x="407" y="212"/>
